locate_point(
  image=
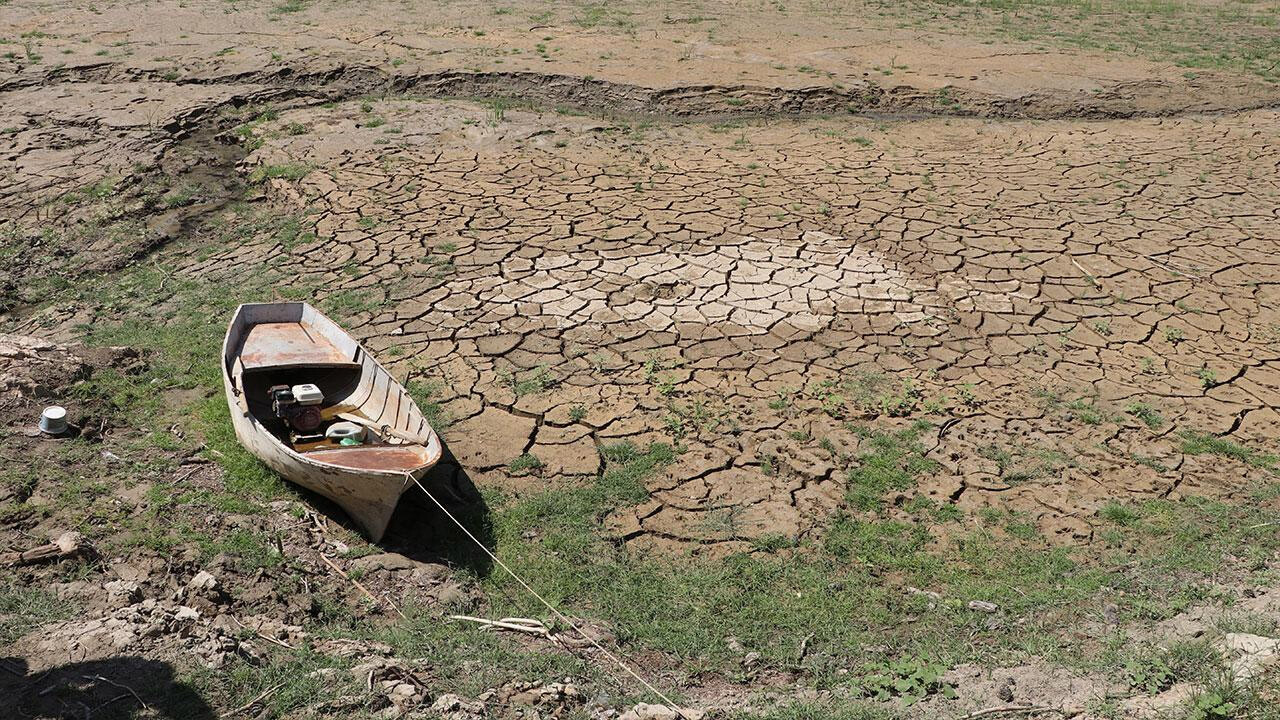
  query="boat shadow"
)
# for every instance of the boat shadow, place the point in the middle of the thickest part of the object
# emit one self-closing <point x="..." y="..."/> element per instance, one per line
<point x="120" y="688"/>
<point x="421" y="530"/>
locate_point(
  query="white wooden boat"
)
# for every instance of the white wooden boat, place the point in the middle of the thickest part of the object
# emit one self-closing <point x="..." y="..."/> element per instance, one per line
<point x="273" y="349"/>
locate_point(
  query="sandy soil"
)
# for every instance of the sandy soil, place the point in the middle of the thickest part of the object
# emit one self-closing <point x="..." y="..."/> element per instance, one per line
<point x="749" y="241"/>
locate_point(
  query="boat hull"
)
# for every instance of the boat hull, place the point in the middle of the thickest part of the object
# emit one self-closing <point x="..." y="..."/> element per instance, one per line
<point x="368" y="494"/>
<point x="368" y="497"/>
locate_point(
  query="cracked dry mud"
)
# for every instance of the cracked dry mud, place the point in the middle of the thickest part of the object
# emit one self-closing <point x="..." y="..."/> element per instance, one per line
<point x="755" y="289"/>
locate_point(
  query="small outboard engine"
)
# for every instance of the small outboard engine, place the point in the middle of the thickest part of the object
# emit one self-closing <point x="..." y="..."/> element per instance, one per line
<point x="297" y="406"/>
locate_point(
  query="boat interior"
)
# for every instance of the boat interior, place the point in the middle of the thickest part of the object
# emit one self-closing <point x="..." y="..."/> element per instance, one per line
<point x="275" y="358"/>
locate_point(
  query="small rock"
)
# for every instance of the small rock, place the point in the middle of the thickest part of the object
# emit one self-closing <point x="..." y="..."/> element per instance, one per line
<point x="402" y="692"/>
<point x="345" y="648"/>
<point x="1111" y="613"/>
<point x="932" y="597"/>
<point x="453" y="707"/>
<point x="983" y="606"/>
<point x="203" y="582"/>
<point x="123" y="592"/>
<point x="427" y="573"/>
<point x="1250" y="654"/>
<point x="450" y="595"/>
<point x="393" y="562"/>
<point x="186" y="614"/>
<point x="750" y="659"/>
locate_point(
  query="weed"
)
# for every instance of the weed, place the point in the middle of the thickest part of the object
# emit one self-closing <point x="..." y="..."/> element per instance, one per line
<point x="910" y="678"/>
<point x="348" y="303"/>
<point x="1197" y="443"/>
<point x="1118" y="513"/>
<point x="23" y="609"/>
<point x="423" y="394"/>
<point x="781" y="401"/>
<point x="540" y="379"/>
<point x="893" y="463"/>
<point x="268" y="172"/>
<point x="1149" y="672"/>
<point x="772" y="542"/>
<point x="1208" y="378"/>
<point x="1088" y="412"/>
<point x="1018" y="463"/>
<point x="526" y="463"/>
<point x="1146" y="413"/>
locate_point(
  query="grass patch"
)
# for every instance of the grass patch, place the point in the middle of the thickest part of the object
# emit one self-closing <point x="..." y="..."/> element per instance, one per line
<point x="893" y="462"/>
<point x="423" y="393"/>
<point x="1198" y="443"/>
<point x="23" y="609"/>
<point x="264" y="173"/>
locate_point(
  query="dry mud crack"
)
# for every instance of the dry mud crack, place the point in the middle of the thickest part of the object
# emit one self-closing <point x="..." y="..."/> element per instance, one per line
<point x="1049" y="278"/>
<point x="748" y="288"/>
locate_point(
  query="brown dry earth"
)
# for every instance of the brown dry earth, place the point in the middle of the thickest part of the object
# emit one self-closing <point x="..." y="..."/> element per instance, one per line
<point x="703" y="245"/>
<point x="722" y="280"/>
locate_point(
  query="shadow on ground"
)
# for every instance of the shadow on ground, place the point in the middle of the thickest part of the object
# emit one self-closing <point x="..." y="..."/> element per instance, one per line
<point x="421" y="530"/>
<point x="119" y="688"/>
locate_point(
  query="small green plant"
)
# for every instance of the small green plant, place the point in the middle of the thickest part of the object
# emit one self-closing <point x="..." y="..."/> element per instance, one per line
<point x="911" y="678"/>
<point x="577" y="412"/>
<point x="1211" y="706"/>
<point x="1198" y="443"/>
<point x="781" y="401"/>
<point x="268" y="172"/>
<point x="1088" y="411"/>
<point x="1149" y="672"/>
<point x="1208" y="378"/>
<point x="901" y="403"/>
<point x="893" y="462"/>
<point x="1118" y="513"/>
<point x="526" y="463"/>
<point x="539" y="380"/>
<point x="1146" y="413"/>
<point x="1174" y="335"/>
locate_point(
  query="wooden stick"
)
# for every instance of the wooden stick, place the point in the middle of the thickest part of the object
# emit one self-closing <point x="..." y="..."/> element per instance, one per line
<point x="524" y="625"/>
<point x="362" y="588"/>
<point x="257" y="632"/>
<point x="126" y="688"/>
<point x="68" y="544"/>
<point x="255" y="701"/>
<point x="1019" y="710"/>
<point x="1093" y="280"/>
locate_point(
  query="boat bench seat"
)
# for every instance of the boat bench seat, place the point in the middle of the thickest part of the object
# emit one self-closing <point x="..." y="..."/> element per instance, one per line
<point x="290" y="344"/>
<point x="395" y="458"/>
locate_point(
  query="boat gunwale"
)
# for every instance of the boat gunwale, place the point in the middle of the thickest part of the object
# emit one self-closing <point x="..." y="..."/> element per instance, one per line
<point x="435" y="450"/>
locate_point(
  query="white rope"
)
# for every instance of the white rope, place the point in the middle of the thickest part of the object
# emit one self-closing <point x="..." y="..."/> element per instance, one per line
<point x="564" y="618"/>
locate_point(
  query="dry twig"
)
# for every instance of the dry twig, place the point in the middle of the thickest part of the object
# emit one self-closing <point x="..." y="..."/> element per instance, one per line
<point x="254" y="701"/>
<point x="126" y="688"/>
<point x="524" y="625"/>
<point x="1020" y="710"/>
<point x="362" y="588"/>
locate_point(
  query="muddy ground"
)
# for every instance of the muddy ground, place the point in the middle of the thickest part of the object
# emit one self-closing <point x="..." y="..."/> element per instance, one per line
<point x="745" y="283"/>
